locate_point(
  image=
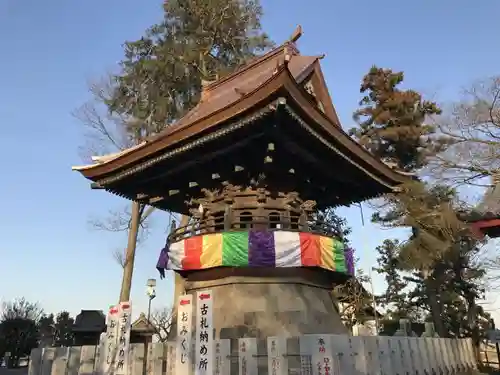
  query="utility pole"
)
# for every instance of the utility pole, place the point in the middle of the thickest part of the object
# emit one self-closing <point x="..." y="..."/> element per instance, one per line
<point x="128" y="267"/>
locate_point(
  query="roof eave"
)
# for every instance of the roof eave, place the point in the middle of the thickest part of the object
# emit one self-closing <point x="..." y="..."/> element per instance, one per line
<point x="337" y="134"/>
<point x="281" y="80"/>
<point x="246" y="102"/>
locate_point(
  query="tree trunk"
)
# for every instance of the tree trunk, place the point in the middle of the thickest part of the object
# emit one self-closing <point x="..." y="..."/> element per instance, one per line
<point x="435" y="307"/>
<point x="128" y="268"/>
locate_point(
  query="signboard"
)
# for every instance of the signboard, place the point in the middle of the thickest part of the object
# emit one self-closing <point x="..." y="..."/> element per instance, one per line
<point x="276" y="350"/>
<point x="322" y="359"/>
<point x="305" y="355"/>
<point x="204" y="333"/>
<point x="247" y="355"/>
<point x="222" y="357"/>
<point x="123" y="349"/>
<point x="110" y="340"/>
<point x="184" y="334"/>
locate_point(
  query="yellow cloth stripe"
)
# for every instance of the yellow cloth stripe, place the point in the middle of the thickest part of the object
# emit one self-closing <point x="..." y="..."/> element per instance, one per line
<point x="211" y="253"/>
<point x="326" y="251"/>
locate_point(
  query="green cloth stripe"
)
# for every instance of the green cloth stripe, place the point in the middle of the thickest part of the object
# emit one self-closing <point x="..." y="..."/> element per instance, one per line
<point x="338" y="256"/>
<point x="235" y="249"/>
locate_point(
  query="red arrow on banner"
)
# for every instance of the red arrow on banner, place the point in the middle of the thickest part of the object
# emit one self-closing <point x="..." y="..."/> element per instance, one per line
<point x="204" y="296"/>
<point x="183" y="302"/>
<point x="125" y="305"/>
<point x="113" y="310"/>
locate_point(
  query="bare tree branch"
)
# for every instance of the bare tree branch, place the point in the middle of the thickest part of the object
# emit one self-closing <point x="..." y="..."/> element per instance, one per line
<point x="21" y="309"/>
<point x="162" y="322"/>
<point x="104" y="133"/>
<point x="471" y="128"/>
<point x="354" y="300"/>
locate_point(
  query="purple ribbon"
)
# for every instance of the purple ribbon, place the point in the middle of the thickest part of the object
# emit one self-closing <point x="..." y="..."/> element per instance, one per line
<point x="162" y="263"/>
<point x="349" y="260"/>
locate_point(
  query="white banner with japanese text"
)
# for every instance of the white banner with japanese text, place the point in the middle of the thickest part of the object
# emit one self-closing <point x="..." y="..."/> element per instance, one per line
<point x="123" y="349"/>
<point x="108" y="353"/>
<point x="247" y="354"/>
<point x="204" y="333"/>
<point x="183" y="361"/>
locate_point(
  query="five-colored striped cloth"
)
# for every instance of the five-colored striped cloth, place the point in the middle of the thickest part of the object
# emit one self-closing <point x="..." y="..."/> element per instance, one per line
<point x="256" y="248"/>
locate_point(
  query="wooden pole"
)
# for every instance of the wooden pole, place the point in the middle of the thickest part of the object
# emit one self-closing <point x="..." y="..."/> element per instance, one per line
<point x="179" y="282"/>
<point x="179" y="290"/>
<point x="128" y="267"/>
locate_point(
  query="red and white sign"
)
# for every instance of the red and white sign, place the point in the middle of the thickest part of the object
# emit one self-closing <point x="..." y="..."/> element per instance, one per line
<point x="123" y="349"/>
<point x="204" y="355"/>
<point x="109" y="345"/>
<point x="184" y="334"/>
<point x="322" y="358"/>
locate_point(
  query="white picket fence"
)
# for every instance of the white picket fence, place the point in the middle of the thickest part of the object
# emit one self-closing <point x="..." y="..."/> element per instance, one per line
<point x="348" y="355"/>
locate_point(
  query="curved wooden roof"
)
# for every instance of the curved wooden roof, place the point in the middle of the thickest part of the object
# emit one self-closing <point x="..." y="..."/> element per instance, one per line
<point x="281" y="72"/>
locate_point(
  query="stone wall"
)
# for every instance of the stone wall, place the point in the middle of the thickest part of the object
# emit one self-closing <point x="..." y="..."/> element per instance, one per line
<point x="270" y="306"/>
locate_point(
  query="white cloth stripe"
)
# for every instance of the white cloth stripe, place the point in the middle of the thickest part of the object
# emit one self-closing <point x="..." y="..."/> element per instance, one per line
<point x="287" y="249"/>
<point x="175" y="255"/>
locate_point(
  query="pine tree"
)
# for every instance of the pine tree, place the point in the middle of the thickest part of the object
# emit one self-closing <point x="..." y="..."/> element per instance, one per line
<point x="328" y="220"/>
<point x="394" y="299"/>
<point x="197" y="41"/>
<point x="392" y="121"/>
<point x="392" y="126"/>
<point x="63" y="334"/>
<point x="162" y="75"/>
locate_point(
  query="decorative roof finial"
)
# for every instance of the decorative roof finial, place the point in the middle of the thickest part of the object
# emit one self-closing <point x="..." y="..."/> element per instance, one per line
<point x="296" y="34"/>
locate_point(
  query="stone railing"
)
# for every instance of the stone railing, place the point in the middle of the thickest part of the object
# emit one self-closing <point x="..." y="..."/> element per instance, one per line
<point x="310" y="354"/>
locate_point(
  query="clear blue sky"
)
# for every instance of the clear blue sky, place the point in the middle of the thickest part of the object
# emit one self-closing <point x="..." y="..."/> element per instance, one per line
<point x="52" y="48"/>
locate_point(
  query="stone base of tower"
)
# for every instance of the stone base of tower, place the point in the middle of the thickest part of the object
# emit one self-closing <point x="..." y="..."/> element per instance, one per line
<point x="269" y="302"/>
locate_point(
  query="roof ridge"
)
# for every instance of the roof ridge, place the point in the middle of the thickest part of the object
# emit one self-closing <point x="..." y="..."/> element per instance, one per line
<point x="251" y="64"/>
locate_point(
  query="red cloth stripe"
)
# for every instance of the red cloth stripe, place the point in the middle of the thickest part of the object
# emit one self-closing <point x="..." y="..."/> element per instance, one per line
<point x="192" y="253"/>
<point x="310" y="250"/>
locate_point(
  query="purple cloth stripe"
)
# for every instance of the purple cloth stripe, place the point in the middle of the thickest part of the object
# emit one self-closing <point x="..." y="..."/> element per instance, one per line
<point x="162" y="263"/>
<point x="349" y="260"/>
<point x="261" y="252"/>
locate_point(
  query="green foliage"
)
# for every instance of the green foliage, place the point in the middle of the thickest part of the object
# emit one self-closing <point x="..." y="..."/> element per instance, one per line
<point x="392" y="121"/>
<point x="46" y="330"/>
<point x="19" y="328"/>
<point x="328" y="220"/>
<point x="63" y="332"/>
<point x="395" y="298"/>
<point x="23" y="325"/>
<point x="434" y="274"/>
<point x="19" y="337"/>
<point x="432" y="214"/>
<point x="197" y="41"/>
